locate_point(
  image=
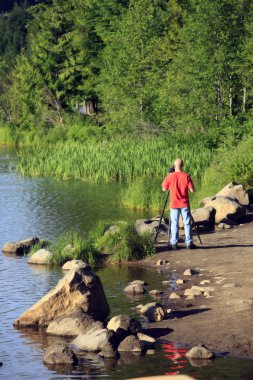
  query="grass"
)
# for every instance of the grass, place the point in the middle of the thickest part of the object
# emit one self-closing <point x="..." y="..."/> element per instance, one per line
<point x="71" y="246"/>
<point x="40" y="245"/>
<point x="116" y="160"/>
<point x="120" y="240"/>
<point x="6" y="136"/>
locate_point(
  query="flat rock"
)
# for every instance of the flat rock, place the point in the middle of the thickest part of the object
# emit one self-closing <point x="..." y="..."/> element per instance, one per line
<point x="134" y="289"/>
<point x="73" y="324"/>
<point x="180" y="281"/>
<point x="205" y="282"/>
<point x="138" y="282"/>
<point x="161" y="262"/>
<point x="93" y="340"/>
<point x="146" y="338"/>
<point x="200" y="352"/>
<point x="20" y="247"/>
<point x="41" y="257"/>
<point x="60" y="354"/>
<point x="79" y="288"/>
<point x="165" y="282"/>
<point x="131" y="344"/>
<point x="75" y="264"/>
<point x="124" y="322"/>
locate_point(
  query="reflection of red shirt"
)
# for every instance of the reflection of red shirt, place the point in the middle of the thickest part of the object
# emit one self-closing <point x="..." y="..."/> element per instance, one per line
<point x="179" y="184"/>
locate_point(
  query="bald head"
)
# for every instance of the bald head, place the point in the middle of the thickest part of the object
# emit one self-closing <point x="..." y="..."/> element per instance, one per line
<point x="178" y="164"/>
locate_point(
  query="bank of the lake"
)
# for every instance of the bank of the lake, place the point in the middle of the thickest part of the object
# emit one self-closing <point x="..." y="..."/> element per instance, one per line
<point x="223" y="321"/>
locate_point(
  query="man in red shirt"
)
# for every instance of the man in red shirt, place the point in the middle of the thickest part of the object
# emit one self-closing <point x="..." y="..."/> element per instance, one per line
<point x="179" y="184"/>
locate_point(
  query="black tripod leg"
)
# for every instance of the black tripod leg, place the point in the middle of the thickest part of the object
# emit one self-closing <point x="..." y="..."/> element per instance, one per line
<point x="160" y="221"/>
<point x="196" y="229"/>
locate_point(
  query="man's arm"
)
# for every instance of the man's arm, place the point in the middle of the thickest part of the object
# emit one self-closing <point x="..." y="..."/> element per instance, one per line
<point x="191" y="185"/>
<point x="166" y="183"/>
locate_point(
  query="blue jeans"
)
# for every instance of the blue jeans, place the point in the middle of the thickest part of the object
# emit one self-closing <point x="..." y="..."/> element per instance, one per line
<point x="174" y="218"/>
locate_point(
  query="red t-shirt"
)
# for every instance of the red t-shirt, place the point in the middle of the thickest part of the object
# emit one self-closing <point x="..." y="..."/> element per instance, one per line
<point x="179" y="183"/>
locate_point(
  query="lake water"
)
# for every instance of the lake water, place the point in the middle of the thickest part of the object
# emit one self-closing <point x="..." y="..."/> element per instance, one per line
<point x="47" y="207"/>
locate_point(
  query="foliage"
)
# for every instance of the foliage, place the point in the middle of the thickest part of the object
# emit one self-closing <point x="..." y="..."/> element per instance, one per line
<point x="71" y="245"/>
<point x="122" y="241"/>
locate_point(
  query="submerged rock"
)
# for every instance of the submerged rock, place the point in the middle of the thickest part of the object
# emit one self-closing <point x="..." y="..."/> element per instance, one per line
<point x="131" y="344"/>
<point x="76" y="289"/>
<point x="199" y="352"/>
<point x="94" y="339"/>
<point x="41" y="257"/>
<point x="60" y="354"/>
<point x="20" y="247"/>
<point x="73" y="324"/>
<point x="134" y="289"/>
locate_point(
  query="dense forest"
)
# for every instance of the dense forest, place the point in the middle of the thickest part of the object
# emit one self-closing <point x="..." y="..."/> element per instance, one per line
<point x="130" y="66"/>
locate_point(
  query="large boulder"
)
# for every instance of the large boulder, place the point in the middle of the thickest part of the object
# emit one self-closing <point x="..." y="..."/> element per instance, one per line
<point x="94" y="339"/>
<point x="75" y="264"/>
<point x="226" y="208"/>
<point x="233" y="190"/>
<point x="151" y="226"/>
<point x="59" y="354"/>
<point x="79" y="288"/>
<point x="124" y="322"/>
<point x="41" y="257"/>
<point x="20" y="247"/>
<point x="73" y="324"/>
<point x="203" y="217"/>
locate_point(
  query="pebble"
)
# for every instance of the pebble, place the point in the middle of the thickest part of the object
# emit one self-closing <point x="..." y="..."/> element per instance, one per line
<point x="205" y="282"/>
<point x="155" y="293"/>
<point x="162" y="262"/>
<point x="180" y="281"/>
<point x="174" y="296"/>
<point x="165" y="282"/>
<point x="189" y="272"/>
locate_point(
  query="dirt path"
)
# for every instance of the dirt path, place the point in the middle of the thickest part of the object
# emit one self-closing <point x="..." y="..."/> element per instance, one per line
<point x="224" y="321"/>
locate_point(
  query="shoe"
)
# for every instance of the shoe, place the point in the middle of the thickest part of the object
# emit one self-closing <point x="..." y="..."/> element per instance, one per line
<point x="191" y="246"/>
<point x="172" y="247"/>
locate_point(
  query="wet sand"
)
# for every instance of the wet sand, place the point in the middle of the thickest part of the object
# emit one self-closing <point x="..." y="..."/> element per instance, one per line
<point x="224" y="321"/>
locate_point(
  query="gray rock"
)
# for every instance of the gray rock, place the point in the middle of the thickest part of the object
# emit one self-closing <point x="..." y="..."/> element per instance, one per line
<point x="41" y="257"/>
<point x="60" y="354"/>
<point x="134" y="289"/>
<point x="73" y="324"/>
<point x="190" y="272"/>
<point x="131" y="343"/>
<point x="200" y="352"/>
<point x="124" y="322"/>
<point x="138" y="282"/>
<point x="75" y="264"/>
<point x="155" y="293"/>
<point x="93" y="340"/>
<point x="233" y="190"/>
<point x="162" y="262"/>
<point x="153" y="311"/>
<point x="151" y="226"/>
<point x="226" y="208"/>
<point x="20" y="247"/>
<point x="108" y="351"/>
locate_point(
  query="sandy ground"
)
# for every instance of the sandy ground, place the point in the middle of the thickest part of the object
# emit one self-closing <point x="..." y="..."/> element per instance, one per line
<point x="224" y="321"/>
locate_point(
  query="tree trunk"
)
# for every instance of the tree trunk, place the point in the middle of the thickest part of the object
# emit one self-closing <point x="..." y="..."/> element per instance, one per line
<point x="244" y="100"/>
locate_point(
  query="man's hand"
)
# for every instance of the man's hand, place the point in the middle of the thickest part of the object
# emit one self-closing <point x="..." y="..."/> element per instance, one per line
<point x="164" y="189"/>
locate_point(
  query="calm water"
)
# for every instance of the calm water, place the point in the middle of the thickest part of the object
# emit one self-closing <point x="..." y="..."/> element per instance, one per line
<point x="46" y="208"/>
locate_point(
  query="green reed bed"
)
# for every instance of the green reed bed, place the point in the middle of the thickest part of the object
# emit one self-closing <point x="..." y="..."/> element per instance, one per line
<point x="116" y="160"/>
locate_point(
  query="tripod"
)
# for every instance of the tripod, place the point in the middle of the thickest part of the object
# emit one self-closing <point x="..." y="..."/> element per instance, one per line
<point x="160" y="222"/>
